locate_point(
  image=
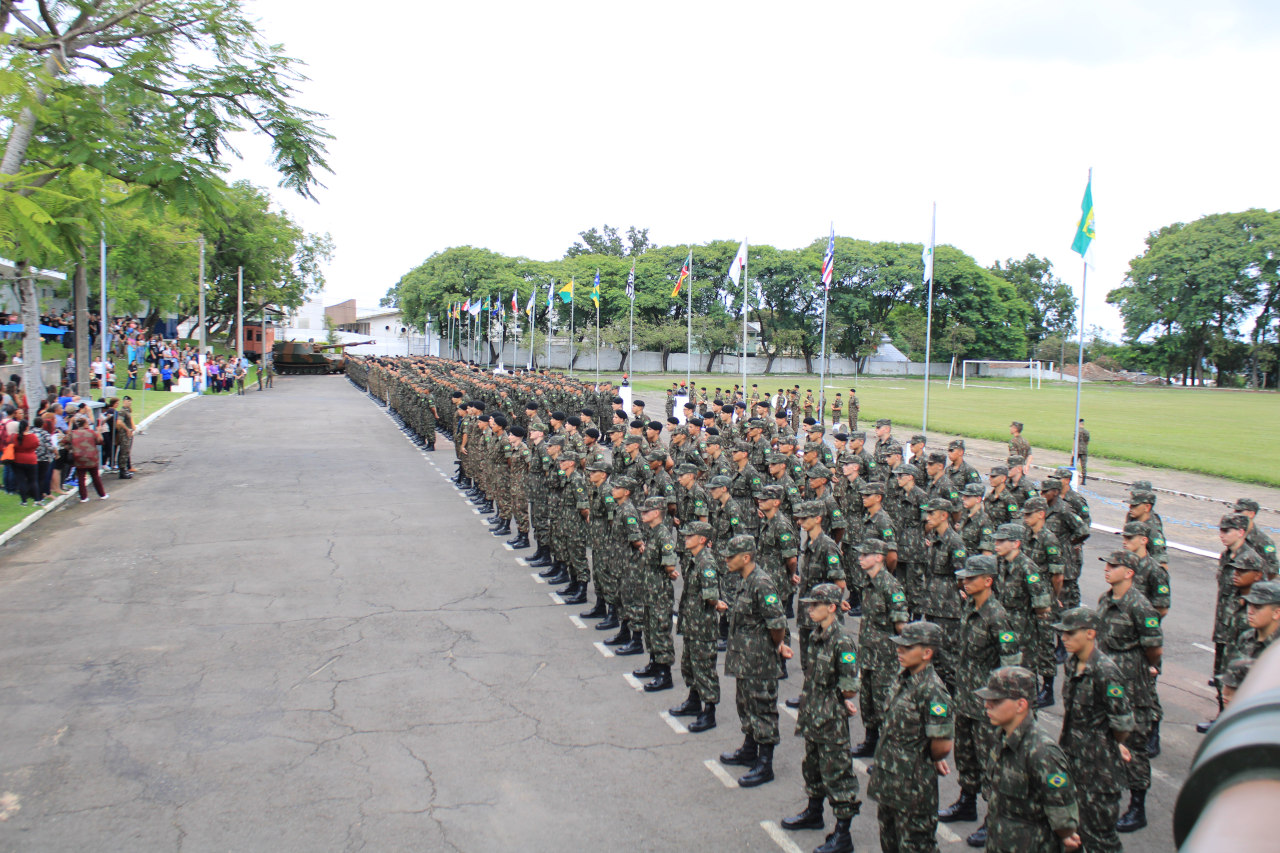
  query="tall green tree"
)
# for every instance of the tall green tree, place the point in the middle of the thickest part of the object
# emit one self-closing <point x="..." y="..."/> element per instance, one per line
<point x="1052" y="303"/>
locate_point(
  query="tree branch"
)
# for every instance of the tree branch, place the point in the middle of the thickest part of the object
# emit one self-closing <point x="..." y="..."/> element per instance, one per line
<point x="47" y="16"/>
<point x="35" y="28"/>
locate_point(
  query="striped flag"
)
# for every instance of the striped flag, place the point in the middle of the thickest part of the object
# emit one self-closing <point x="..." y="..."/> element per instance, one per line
<point x="515" y="306"/>
<point x="829" y="260"/>
<point x="528" y="308"/>
<point x="595" y="290"/>
<point x="631" y="281"/>
<point x="685" y="272"/>
<point x="739" y="264"/>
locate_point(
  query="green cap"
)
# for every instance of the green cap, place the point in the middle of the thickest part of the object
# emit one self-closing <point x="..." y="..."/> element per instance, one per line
<point x="824" y="593"/>
<point x="771" y="492"/>
<point x="696" y="528"/>
<point x="873" y="546"/>
<point x="1264" y="592"/>
<point x="1246" y="505"/>
<point x="1034" y="505"/>
<point x="1138" y="496"/>
<point x="871" y="489"/>
<point x="808" y="509"/>
<point x="1077" y="618"/>
<point x="919" y="634"/>
<point x="983" y="564"/>
<point x="1128" y="559"/>
<point x="740" y="544"/>
<point x="973" y="490"/>
<point x="686" y="468"/>
<point x="1009" y="682"/>
<point x="1234" y="520"/>
<point x="1137" y="528"/>
<point x="938" y="505"/>
<point x="654" y="503"/>
<point x="720" y="481"/>
<point x="1009" y="531"/>
<point x="622" y="481"/>
<point x="818" y="471"/>
<point x="600" y="466"/>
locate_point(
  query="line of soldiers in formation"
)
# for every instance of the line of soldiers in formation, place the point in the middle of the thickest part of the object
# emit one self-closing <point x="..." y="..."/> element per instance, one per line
<point x="968" y="596"/>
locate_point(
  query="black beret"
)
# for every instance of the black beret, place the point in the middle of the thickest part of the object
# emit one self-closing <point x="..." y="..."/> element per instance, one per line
<point x="500" y="420"/>
<point x="518" y="431"/>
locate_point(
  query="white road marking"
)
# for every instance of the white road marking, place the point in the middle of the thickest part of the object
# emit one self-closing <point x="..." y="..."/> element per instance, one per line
<point x="1203" y="647"/>
<point x="537" y="577"/>
<point x="947" y="835"/>
<point x="508" y="547"/>
<point x="860" y="766"/>
<point x="603" y="649"/>
<point x="1176" y="784"/>
<point x="555" y="598"/>
<point x="720" y="773"/>
<point x="676" y="725"/>
<point x="582" y="626"/>
<point x="790" y="712"/>
<point x="779" y="836"/>
<point x="633" y="681"/>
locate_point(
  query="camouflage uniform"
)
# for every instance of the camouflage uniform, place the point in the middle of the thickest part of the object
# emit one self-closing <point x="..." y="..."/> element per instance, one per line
<point x="697" y="625"/>
<point x="977" y="532"/>
<point x="604" y="561"/>
<point x="778" y="543"/>
<point x="940" y="600"/>
<point x="519" y="460"/>
<point x="659" y="594"/>
<point x="819" y="563"/>
<point x="1265" y="548"/>
<point x="1071" y="530"/>
<point x="884" y="606"/>
<point x="1045" y="553"/>
<point x="1002" y="507"/>
<point x="626" y="533"/>
<point x="752" y="658"/>
<point x="987" y="642"/>
<point x="1128" y="626"/>
<point x="1023" y="590"/>
<point x="573" y="527"/>
<point x="908" y="527"/>
<point x="1032" y="794"/>
<point x="743" y="486"/>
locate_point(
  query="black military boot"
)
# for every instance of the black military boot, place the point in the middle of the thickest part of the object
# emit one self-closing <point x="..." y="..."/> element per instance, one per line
<point x="503" y="529"/>
<point x="810" y="818"/>
<point x="486" y="507"/>
<point x="867" y="748"/>
<point x="578" y="595"/>
<point x="661" y="679"/>
<point x="600" y="611"/>
<point x="690" y="707"/>
<point x="1136" y="817"/>
<point x="1060" y="652"/>
<point x="855" y="602"/>
<point x="540" y="559"/>
<point x="552" y="567"/>
<point x="1045" y="697"/>
<point x="609" y="622"/>
<point x="561" y="574"/>
<point x="839" y="841"/>
<point x="978" y="838"/>
<point x="431" y="445"/>
<point x="965" y="809"/>
<point x="761" y="771"/>
<point x="743" y="756"/>
<point x="790" y="609"/>
<point x="1153" y="741"/>
<point x="634" y="646"/>
<point x="571" y="589"/>
<point x="706" y="720"/>
<point x="520" y="542"/>
<point x="649" y="670"/>
<point x="621" y="638"/>
<point x="792" y="703"/>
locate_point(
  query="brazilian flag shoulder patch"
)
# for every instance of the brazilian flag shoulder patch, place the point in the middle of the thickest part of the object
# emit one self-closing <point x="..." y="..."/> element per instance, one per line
<point x="833" y="559"/>
<point x="771" y="599"/>
<point x="1033" y="578"/>
<point x="1051" y="549"/>
<point x="786" y="537"/>
<point x="938" y="709"/>
<point x="1153" y="622"/>
<point x="1115" y="690"/>
<point x="709" y="573"/>
<point x="899" y="597"/>
<point x="1056" y="780"/>
<point x="848" y="657"/>
<point x="1006" y="637"/>
<point x="1162" y="589"/>
<point x="887" y="533"/>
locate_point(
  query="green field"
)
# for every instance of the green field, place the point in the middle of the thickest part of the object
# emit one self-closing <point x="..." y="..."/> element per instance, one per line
<point x="1230" y="434"/>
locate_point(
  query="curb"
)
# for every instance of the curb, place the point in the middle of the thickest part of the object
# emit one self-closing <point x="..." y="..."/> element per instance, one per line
<point x="61" y="499"/>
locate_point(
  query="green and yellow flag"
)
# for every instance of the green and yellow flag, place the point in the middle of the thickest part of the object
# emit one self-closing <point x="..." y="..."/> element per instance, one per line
<point x="1083" y="244"/>
<point x="566" y="292"/>
<point x="595" y="290"/>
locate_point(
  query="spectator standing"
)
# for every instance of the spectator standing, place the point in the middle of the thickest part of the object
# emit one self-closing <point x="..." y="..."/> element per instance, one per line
<point x="25" y="444"/>
<point x="85" y="441"/>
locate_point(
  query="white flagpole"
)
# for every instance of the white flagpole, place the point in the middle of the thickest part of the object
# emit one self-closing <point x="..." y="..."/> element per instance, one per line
<point x="822" y="361"/>
<point x="746" y="279"/>
<point x="572" y="342"/>
<point x="551" y="296"/>
<point x="631" y="334"/>
<point x="688" y="356"/>
<point x="596" y="300"/>
<point x="928" y="323"/>
<point x="533" y="309"/>
<point x="1084" y="280"/>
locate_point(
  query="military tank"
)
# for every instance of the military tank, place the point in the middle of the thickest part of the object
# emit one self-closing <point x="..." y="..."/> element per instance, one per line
<point x="303" y="357"/>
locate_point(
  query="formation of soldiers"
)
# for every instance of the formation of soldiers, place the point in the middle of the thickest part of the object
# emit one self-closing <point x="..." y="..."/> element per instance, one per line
<point x="968" y="593"/>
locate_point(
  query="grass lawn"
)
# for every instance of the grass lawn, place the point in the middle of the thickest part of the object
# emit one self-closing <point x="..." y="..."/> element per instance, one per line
<point x="1164" y="427"/>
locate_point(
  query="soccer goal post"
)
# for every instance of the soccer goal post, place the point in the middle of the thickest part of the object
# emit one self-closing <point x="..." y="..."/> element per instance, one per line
<point x="1035" y="369"/>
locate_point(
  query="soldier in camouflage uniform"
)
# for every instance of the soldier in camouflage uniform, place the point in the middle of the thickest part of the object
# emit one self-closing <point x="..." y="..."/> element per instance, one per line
<point x="1256" y="539"/>
<point x="906" y="510"/>
<point x="1001" y="505"/>
<point x="960" y="472"/>
<point x="1097" y="720"/>
<point x="599" y="517"/>
<point x="884" y="612"/>
<point x="1033" y="800"/>
<point x="728" y="519"/>
<point x="1072" y="531"/>
<point x="658" y="573"/>
<point x="826" y="704"/>
<point x="820" y="492"/>
<point x="757" y="629"/>
<point x="519" y="462"/>
<point x="627" y="538"/>
<point x="539" y="513"/>
<point x="987" y="642"/>
<point x="779" y="545"/>
<point x="745" y="482"/>
<point x="819" y="562"/>
<point x="976" y="529"/>
<point x="1232" y="532"/>
<point x="574" y="510"/>
<point x="940" y="598"/>
<point x="1152" y="580"/>
<point x="917" y="736"/>
<point x="1129" y="632"/>
<point x="1043" y="549"/>
<point x="697" y="624"/>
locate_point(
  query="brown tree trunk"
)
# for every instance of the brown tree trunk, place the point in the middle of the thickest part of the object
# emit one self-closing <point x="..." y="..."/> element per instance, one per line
<point x="29" y="305"/>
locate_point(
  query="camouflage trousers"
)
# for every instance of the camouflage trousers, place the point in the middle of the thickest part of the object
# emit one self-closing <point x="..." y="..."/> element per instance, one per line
<point x="1045" y="639"/>
<point x="757" y="701"/>
<point x="631" y="589"/>
<point x="907" y="832"/>
<point x="541" y="518"/>
<point x="570" y="537"/>
<point x="658" y="600"/>
<point x="124" y="452"/>
<point x="910" y="575"/>
<point x="1099" y="811"/>
<point x="698" y="660"/>
<point x="1070" y="587"/>
<point x="518" y="500"/>
<point x="828" y="773"/>
<point x="973" y="741"/>
<point x="429" y="428"/>
<point x="944" y="656"/>
<point x="604" y="569"/>
<point x="1139" y="768"/>
<point x="874" y="695"/>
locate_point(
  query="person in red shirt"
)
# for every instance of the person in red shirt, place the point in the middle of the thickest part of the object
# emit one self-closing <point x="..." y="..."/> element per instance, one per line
<point x="25" y="444"/>
<point x="84" y="455"/>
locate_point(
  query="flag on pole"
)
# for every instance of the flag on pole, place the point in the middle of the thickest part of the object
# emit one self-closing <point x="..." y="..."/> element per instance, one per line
<point x="739" y="263"/>
<point x="927" y="257"/>
<point x="595" y="290"/>
<point x="474" y="310"/>
<point x="485" y="306"/>
<point x="528" y="308"/>
<point x="685" y="272"/>
<point x="631" y="281"/>
<point x="515" y="306"/>
<point x="466" y="306"/>
<point x="566" y="292"/>
<point x="829" y="259"/>
<point x="1083" y="244"/>
<point x="551" y="289"/>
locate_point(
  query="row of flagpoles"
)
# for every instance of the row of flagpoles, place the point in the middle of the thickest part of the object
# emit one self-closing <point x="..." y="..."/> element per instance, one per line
<point x="1083" y="245"/>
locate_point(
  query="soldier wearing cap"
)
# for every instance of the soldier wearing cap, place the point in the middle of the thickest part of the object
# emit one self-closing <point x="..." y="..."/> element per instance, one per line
<point x="837" y="409"/>
<point x="1072" y="531"/>
<point x="1142" y="501"/>
<point x="976" y="528"/>
<point x="857" y="442"/>
<point x="660" y="484"/>
<point x="780" y="475"/>
<point x="987" y="642"/>
<point x="779" y="545"/>
<point x="628" y="549"/>
<point x="728" y="519"/>
<point x="1027" y="598"/>
<point x="826" y="704"/>
<point x="658" y="572"/>
<point x="1097" y="721"/>
<point x="757" y="630"/>
<point x="912" y="752"/>
<point x="599" y="518"/>
<point x="945" y="555"/>
<point x="850" y="498"/>
<point x="819" y="491"/>
<point x="519" y="461"/>
<point x="938" y="484"/>
<point x="1001" y="505"/>
<point x="918" y="456"/>
<point x="692" y="502"/>
<point x="1033" y="796"/>
<point x="1078" y="503"/>
<point x="884" y="439"/>
<point x="1129" y="632"/>
<point x="820" y="562"/>
<point x="697" y="623"/>
<point x="1263" y="602"/>
<point x="960" y="472"/>
<point x="1152" y="578"/>
<point x="575" y="510"/>
<point x="1018" y="446"/>
<point x="1044" y="550"/>
<point x="1256" y="539"/>
<point x="719" y="463"/>
<point x="1236" y="554"/>
<point x="539" y="500"/>
<point x="745" y="482"/>
<point x="904" y="503"/>
<point x="556" y="481"/>
<point x="884" y="612"/>
<point x="1082" y="450"/>
<point x="1017" y="484"/>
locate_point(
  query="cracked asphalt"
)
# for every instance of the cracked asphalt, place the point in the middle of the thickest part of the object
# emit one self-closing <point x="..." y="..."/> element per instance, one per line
<point x="288" y="632"/>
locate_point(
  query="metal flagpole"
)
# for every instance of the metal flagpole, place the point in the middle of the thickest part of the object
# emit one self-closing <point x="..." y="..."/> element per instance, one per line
<point x="200" y="360"/>
<point x="1084" y="281"/>
<point x="103" y="323"/>
<point x="745" y="285"/>
<point x="822" y="361"/>
<point x="533" y="309"/>
<point x="928" y="323"/>
<point x="572" y="342"/>
<point x="596" y="299"/>
<point x="551" y="289"/>
<point x="240" y="315"/>
<point x="688" y="355"/>
<point x="631" y="335"/>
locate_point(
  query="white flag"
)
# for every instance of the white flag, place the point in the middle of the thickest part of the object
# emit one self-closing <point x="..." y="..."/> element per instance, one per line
<point x="739" y="263"/>
<point x="927" y="257"/>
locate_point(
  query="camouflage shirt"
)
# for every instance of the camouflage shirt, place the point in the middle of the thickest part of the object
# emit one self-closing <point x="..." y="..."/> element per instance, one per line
<point x="756" y="611"/>
<point x="1246" y="556"/>
<point x="831" y="668"/>
<point x="908" y="524"/>
<point x="1261" y="543"/>
<point x="987" y="642"/>
<point x="884" y="606"/>
<point x="777" y="543"/>
<point x="918" y="710"/>
<point x="1128" y="626"/>
<point x="945" y="557"/>
<point x="1002" y="507"/>
<point x="1095" y="704"/>
<point x="1153" y="579"/>
<point x="1022" y="590"/>
<point x="819" y="563"/>
<point x="1044" y="550"/>
<point x="698" y="597"/>
<point x="1032" y="792"/>
<point x="978" y="532"/>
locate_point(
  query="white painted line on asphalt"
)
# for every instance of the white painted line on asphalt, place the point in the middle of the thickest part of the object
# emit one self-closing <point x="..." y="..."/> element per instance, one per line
<point x="720" y="773"/>
<point x="537" y="578"/>
<point x="676" y="725"/>
<point x="603" y="649"/>
<point x="1199" y="688"/>
<point x="1157" y="773"/>
<point x="508" y="547"/>
<point x="779" y="836"/>
<point x="860" y="766"/>
<point x="1203" y="647"/>
<point x="947" y="835"/>
<point x="633" y="681"/>
<point x="582" y="626"/>
<point x="1177" y="546"/>
<point x="790" y="712"/>
<point x="555" y="598"/>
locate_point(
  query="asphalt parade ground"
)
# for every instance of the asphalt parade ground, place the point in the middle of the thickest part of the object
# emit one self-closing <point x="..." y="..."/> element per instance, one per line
<point x="290" y="632"/>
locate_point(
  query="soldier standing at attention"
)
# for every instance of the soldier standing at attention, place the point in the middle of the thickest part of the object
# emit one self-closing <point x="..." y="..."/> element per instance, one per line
<point x="987" y="642"/>
<point x="1072" y="531"/>
<point x="519" y="462"/>
<point x="1033" y="800"/>
<point x="1082" y="451"/>
<point x="854" y="408"/>
<point x="976" y="528"/>
<point x="819" y="563"/>
<point x="629" y="551"/>
<point x="1001" y="505"/>
<point x="960" y="472"/>
<point x="826" y="704"/>
<point x="837" y="407"/>
<point x="430" y="414"/>
<point x="778" y="549"/>
<point x="912" y="754"/>
<point x="1236" y="556"/>
<point x="697" y="624"/>
<point x="575" y="510"/>
<point x="657" y="575"/>
<point x="1129" y="632"/>
<point x="1097" y="720"/>
<point x="757" y="631"/>
<point x="1254" y="537"/>
<point x="884" y="612"/>
<point x="1019" y="446"/>
<point x="940" y="598"/>
<point x="1044" y="551"/>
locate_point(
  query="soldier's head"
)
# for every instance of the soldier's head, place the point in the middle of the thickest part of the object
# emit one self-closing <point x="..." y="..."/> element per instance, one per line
<point x="693" y="426"/>
<point x="1008" y="540"/>
<point x="1245" y="573"/>
<point x="872" y="496"/>
<point x="653" y="510"/>
<point x="622" y="486"/>
<point x="517" y="434"/>
<point x="1137" y="536"/>
<point x="573" y="424"/>
<point x="1050" y="490"/>
<point x="809" y="516"/>
<point x="1078" y="628"/>
<point x="636" y="427"/>
<point x="977" y="577"/>
<point x="955" y="451"/>
<point x="1232" y="529"/>
<point x="1007" y="697"/>
<point x="1121" y="566"/>
<point x="1247" y="507"/>
<point x="892" y="456"/>
<point x="673" y="425"/>
<point x="840" y="439"/>
<point x="686" y="474"/>
<point x="819" y="476"/>
<point x="857" y="440"/>
<point x="851" y="467"/>
<point x="884" y="428"/>
<point x="598" y="472"/>
<point x="696" y="536"/>
<point x="590" y="436"/>
<point x="653" y="430"/>
<point x="718" y="488"/>
<point x="871" y="555"/>
<point x="740" y="553"/>
<point x="823" y="603"/>
<point x="916" y="644"/>
<point x="999" y="474"/>
<point x="656" y="459"/>
<point x="740" y="452"/>
<point x="917" y="444"/>
<point x="934" y="463"/>
<point x="937" y="513"/>
<point x="1263" y="603"/>
<point x="1140" y="503"/>
<point x="1033" y="513"/>
<point x="637" y="408"/>
<point x="568" y="460"/>
<point x="1015" y="464"/>
<point x="1015" y="428"/>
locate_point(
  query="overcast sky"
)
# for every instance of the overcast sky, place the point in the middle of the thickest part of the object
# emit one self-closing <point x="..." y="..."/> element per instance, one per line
<point x="516" y="125"/>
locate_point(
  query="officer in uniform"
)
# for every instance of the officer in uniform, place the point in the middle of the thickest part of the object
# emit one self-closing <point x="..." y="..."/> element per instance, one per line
<point x="698" y="618"/>
<point x="657" y="575"/>
<point x="940" y="598"/>
<point x="820" y="562"/>
<point x="976" y="529"/>
<point x="1254" y="537"/>
<point x="826" y="704"/>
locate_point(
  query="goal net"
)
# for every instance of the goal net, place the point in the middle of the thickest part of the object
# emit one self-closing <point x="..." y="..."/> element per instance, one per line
<point x="998" y="369"/>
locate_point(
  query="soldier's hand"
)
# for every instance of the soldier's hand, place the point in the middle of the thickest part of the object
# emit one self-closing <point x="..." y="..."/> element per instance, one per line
<point x="850" y="707"/>
<point x="795" y="579"/>
<point x="639" y="546"/>
<point x="1125" y="754"/>
<point x="944" y="769"/>
<point x="845" y="606"/>
<point x="722" y="606"/>
<point x="785" y="651"/>
<point x="1071" y="842"/>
